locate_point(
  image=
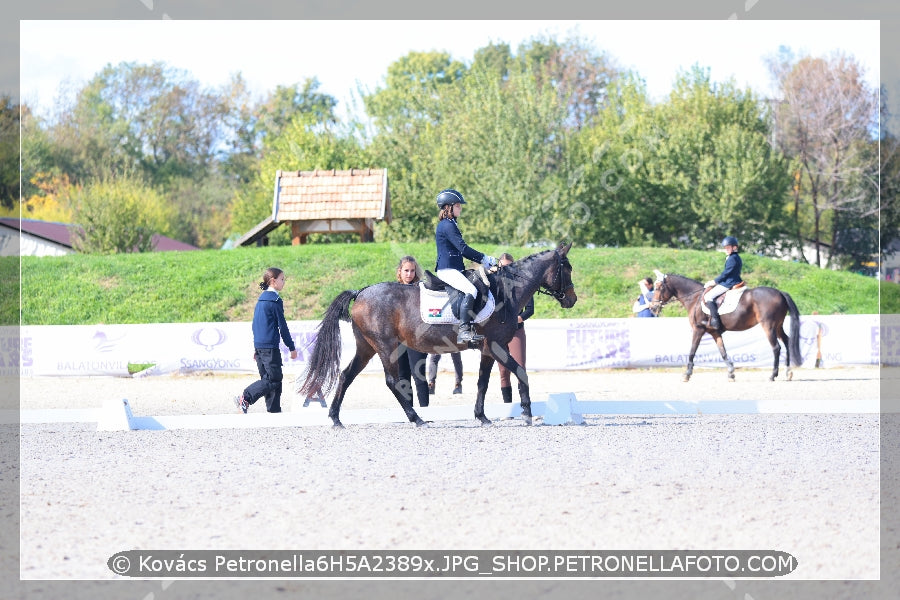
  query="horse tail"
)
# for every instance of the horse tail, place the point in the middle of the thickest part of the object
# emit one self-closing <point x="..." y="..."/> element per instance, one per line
<point x="324" y="363"/>
<point x="794" y="339"/>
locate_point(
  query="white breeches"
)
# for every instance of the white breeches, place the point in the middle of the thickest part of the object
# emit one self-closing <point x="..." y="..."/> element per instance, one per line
<point x="457" y="280"/>
<point x="714" y="292"/>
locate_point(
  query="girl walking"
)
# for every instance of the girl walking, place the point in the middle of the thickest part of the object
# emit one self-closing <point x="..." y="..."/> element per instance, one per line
<point x="268" y="326"/>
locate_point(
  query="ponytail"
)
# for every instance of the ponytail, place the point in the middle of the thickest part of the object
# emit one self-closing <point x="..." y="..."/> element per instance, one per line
<point x="271" y="274"/>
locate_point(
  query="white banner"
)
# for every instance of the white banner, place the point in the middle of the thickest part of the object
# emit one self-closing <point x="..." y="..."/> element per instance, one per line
<point x="552" y="344"/>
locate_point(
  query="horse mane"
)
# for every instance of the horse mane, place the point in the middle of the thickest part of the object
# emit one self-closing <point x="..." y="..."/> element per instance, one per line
<point x="503" y="281"/>
<point x="683" y="277"/>
<point x="532" y="257"/>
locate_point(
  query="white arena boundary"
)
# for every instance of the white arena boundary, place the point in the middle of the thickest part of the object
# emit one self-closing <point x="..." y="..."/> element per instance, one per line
<point x="558" y="409"/>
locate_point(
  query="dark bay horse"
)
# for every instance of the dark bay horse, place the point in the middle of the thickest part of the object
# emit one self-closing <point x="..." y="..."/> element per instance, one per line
<point x="386" y="315"/>
<point x="764" y="305"/>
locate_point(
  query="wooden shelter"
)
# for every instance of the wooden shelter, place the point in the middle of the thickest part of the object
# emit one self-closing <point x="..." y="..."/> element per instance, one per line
<point x="326" y="202"/>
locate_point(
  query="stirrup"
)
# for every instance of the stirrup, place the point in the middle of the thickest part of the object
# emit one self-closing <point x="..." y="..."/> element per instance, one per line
<point x="467" y="335"/>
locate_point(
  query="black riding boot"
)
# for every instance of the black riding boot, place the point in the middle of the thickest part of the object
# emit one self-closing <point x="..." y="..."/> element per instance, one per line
<point x="467" y="333"/>
<point x="714" y="321"/>
<point x="506" y="392"/>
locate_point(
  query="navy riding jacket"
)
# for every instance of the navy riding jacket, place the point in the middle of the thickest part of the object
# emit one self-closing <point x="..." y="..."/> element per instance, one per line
<point x="268" y="322"/>
<point x="451" y="248"/>
<point x="731" y="274"/>
<point x="527" y="311"/>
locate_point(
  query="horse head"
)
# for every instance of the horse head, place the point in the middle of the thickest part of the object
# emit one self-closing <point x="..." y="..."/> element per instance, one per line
<point x="556" y="280"/>
<point x="662" y="293"/>
<point x="673" y="287"/>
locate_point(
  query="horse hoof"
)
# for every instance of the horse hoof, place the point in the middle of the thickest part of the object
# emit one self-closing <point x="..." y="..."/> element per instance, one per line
<point x="790" y="375"/>
<point x="527" y="420"/>
<point x="485" y="422"/>
<point x="337" y="425"/>
<point x="685" y="379"/>
<point x="421" y="423"/>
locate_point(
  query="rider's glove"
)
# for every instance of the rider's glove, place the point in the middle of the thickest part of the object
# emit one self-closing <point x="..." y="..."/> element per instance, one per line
<point x="710" y="283"/>
<point x="488" y="262"/>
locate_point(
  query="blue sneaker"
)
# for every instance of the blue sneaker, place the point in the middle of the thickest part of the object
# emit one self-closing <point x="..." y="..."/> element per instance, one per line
<point x="241" y="403"/>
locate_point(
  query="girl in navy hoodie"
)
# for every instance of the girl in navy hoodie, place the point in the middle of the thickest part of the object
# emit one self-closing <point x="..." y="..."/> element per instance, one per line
<point x="268" y="325"/>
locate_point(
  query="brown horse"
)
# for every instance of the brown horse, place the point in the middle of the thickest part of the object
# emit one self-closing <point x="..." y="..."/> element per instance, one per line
<point x="763" y="305"/>
<point x="385" y="320"/>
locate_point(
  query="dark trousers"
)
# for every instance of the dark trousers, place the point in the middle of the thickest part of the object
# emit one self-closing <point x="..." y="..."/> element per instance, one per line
<point x="433" y="363"/>
<point x="412" y="366"/>
<point x="268" y="362"/>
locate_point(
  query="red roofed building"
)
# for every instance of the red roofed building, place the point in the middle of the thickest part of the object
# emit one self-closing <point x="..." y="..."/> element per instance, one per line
<point x="30" y="237"/>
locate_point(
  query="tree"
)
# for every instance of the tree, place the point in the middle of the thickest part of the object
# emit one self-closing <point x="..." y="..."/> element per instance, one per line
<point x="716" y="142"/>
<point x="412" y="91"/>
<point x="503" y="143"/>
<point x="158" y="125"/>
<point x="685" y="172"/>
<point x="889" y="213"/>
<point x="304" y="144"/>
<point x="9" y="151"/>
<point x="51" y="201"/>
<point x="498" y="131"/>
<point x="118" y="215"/>
<point x="576" y="71"/>
<point x="285" y="103"/>
<point x="38" y="155"/>
<point x="825" y="118"/>
<point x="150" y="119"/>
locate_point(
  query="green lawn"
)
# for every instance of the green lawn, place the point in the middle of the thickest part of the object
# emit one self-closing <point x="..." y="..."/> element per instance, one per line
<point x="221" y="285"/>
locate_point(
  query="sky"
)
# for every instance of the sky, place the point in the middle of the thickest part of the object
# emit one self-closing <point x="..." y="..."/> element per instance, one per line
<point x="57" y="57"/>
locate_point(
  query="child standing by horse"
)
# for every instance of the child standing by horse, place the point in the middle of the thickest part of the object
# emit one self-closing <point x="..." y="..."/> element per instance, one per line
<point x="451" y="248"/>
<point x="641" y="306"/>
<point x="517" y="343"/>
<point x="412" y="362"/>
<point x="268" y="325"/>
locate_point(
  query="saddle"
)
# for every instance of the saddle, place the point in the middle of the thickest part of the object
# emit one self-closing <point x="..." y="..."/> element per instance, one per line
<point x="728" y="301"/>
<point x="439" y="302"/>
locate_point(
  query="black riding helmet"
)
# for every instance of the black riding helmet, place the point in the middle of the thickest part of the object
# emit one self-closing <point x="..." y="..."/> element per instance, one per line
<point x="729" y="241"/>
<point x="449" y="196"/>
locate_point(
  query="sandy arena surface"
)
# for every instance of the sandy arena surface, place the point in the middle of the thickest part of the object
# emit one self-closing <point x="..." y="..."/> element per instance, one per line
<point x="806" y="484"/>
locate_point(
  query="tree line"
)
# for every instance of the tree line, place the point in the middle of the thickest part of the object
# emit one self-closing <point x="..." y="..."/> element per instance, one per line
<point x="550" y="141"/>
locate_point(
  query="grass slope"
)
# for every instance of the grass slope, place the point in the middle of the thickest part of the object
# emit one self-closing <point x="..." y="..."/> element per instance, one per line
<point x="217" y="285"/>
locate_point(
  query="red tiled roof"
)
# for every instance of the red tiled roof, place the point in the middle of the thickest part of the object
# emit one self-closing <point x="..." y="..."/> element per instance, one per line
<point x="314" y="195"/>
<point x="60" y="233"/>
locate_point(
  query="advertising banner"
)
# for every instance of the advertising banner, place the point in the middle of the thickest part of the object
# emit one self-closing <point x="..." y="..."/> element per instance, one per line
<point x="552" y="344"/>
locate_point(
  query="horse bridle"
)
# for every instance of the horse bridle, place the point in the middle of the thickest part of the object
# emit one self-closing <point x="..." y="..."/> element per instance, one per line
<point x="658" y="306"/>
<point x="560" y="293"/>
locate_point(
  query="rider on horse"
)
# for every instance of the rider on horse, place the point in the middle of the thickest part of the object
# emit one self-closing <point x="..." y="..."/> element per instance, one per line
<point x="451" y="248"/>
<point x="727" y="279"/>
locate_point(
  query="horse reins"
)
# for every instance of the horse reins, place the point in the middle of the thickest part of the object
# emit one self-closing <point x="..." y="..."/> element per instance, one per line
<point x="675" y="297"/>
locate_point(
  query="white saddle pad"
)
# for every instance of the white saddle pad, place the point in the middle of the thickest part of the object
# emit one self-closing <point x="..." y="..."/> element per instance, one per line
<point x="732" y="297"/>
<point x="435" y="307"/>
